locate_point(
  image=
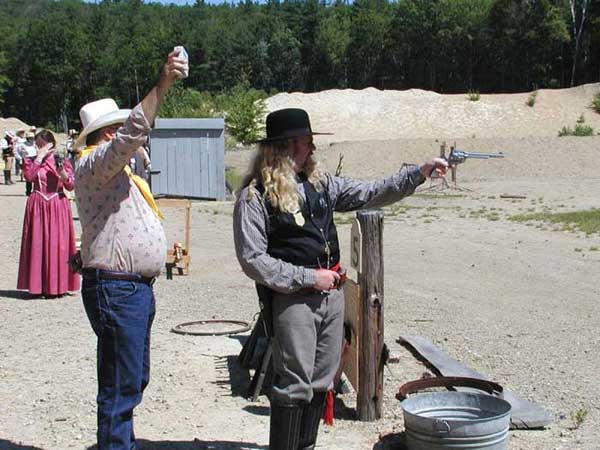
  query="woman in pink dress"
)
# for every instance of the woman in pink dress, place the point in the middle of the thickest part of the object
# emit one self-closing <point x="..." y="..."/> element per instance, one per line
<point x="48" y="233"/>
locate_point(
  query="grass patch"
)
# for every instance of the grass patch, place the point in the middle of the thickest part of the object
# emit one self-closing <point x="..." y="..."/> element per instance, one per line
<point x="585" y="221"/>
<point x="473" y="95"/>
<point x="531" y="99"/>
<point x="596" y="103"/>
<point x="344" y="218"/>
<point x="579" y="417"/>
<point x="580" y="130"/>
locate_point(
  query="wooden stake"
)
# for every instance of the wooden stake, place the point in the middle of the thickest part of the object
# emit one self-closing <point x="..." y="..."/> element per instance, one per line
<point x="370" y="392"/>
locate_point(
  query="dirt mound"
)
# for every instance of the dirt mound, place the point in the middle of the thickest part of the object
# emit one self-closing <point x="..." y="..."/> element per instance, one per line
<point x="11" y="124"/>
<point x="372" y="114"/>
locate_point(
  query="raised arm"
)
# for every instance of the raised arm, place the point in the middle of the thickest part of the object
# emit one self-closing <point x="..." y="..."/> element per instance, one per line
<point x="108" y="159"/>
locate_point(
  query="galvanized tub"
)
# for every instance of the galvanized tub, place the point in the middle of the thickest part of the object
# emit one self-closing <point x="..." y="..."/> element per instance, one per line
<point x="456" y="420"/>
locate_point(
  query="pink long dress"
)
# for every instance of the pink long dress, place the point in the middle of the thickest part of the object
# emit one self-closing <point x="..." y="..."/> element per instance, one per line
<point x="48" y="232"/>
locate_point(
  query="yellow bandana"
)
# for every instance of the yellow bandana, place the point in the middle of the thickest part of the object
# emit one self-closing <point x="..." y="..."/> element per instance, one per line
<point x="137" y="180"/>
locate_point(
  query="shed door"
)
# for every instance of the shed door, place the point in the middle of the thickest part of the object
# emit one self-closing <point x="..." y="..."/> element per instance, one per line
<point x="188" y="163"/>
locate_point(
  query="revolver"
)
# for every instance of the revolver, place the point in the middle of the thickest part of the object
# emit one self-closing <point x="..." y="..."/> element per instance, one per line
<point x="460" y="156"/>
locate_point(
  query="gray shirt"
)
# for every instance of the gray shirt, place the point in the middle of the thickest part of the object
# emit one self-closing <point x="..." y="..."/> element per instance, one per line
<point x="120" y="230"/>
<point x="251" y="224"/>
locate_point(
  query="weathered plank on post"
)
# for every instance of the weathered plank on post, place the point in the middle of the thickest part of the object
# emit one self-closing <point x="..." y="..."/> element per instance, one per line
<point x="370" y="279"/>
<point x="352" y="317"/>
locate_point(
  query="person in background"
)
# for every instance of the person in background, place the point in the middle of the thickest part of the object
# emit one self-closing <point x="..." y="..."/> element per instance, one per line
<point x="123" y="248"/>
<point x="286" y="241"/>
<point x="48" y="238"/>
<point x="70" y="146"/>
<point x="7" y="144"/>
<point x="28" y="150"/>
<point x="18" y="152"/>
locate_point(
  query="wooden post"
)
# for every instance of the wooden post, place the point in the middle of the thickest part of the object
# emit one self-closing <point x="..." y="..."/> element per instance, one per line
<point x="453" y="168"/>
<point x="370" y="279"/>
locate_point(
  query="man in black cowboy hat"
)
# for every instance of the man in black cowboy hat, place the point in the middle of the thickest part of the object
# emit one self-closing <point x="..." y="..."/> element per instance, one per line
<point x="286" y="241"/>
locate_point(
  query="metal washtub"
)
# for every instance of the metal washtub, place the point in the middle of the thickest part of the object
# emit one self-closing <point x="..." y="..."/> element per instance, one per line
<point x="455" y="420"/>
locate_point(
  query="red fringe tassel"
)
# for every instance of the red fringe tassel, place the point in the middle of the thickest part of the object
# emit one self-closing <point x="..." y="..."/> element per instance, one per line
<point x="328" y="410"/>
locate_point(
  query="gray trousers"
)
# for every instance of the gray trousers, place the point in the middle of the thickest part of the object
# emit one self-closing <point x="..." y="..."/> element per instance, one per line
<point x="307" y="345"/>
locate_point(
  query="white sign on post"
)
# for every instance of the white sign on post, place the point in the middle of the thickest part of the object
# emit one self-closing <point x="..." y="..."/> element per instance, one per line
<point x="356" y="246"/>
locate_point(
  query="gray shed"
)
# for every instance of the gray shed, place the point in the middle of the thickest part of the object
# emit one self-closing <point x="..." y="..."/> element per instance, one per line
<point x="188" y="158"/>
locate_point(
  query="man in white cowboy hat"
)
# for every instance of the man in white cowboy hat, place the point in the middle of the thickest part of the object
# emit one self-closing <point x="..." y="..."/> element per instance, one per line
<point x="123" y="249"/>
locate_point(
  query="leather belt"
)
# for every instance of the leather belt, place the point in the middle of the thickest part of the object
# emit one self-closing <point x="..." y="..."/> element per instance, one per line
<point x="101" y="274"/>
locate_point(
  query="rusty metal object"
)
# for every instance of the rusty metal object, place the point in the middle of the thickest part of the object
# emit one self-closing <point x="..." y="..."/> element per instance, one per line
<point x="490" y="387"/>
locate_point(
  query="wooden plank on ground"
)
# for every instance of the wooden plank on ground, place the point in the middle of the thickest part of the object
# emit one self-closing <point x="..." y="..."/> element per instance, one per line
<point x="524" y="414"/>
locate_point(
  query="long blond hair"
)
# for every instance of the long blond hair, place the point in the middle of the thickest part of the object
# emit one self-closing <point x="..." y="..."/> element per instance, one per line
<point x="274" y="168"/>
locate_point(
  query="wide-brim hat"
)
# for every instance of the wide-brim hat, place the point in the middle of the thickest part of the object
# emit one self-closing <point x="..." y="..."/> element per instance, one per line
<point x="29" y="134"/>
<point x="286" y="124"/>
<point x="99" y="114"/>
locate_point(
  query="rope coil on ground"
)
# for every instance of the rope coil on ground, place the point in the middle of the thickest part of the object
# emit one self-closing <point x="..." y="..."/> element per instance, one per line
<point x="181" y="328"/>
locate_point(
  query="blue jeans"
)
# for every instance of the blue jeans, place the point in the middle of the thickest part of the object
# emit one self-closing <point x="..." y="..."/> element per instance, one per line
<point x="121" y="315"/>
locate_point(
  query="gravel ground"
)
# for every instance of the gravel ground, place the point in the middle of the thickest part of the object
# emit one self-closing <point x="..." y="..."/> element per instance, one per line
<point x="514" y="301"/>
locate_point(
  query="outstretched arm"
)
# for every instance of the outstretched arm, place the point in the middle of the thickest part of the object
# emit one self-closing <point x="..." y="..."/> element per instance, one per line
<point x="349" y="195"/>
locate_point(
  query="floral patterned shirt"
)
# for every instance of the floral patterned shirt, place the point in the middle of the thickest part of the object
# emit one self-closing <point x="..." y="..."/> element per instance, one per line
<point x="120" y="231"/>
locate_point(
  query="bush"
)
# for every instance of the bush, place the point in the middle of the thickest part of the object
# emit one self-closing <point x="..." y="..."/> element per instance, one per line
<point x="187" y="103"/>
<point x="596" y="103"/>
<point x="581" y="129"/>
<point x="473" y="95"/>
<point x="243" y="108"/>
<point x="531" y="100"/>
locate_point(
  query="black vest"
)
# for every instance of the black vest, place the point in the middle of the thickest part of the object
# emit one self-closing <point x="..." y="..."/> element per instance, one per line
<point x="309" y="240"/>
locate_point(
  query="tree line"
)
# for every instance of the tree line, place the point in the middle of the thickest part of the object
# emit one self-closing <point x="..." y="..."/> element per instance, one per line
<point x="55" y="55"/>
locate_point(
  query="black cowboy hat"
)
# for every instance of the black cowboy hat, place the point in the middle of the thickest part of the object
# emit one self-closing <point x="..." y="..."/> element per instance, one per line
<point x="287" y="123"/>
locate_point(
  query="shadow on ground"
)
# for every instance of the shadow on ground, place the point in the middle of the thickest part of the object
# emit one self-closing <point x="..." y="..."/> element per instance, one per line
<point x="196" y="444"/>
<point x="392" y="441"/>
<point x="19" y="295"/>
<point x="232" y="378"/>
<point x="9" y="445"/>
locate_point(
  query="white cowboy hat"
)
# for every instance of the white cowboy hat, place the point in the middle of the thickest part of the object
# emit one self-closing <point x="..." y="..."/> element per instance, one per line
<point x="99" y="114"/>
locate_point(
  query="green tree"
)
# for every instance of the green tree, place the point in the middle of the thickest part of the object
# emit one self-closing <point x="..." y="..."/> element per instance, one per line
<point x="334" y="38"/>
<point x="368" y="37"/>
